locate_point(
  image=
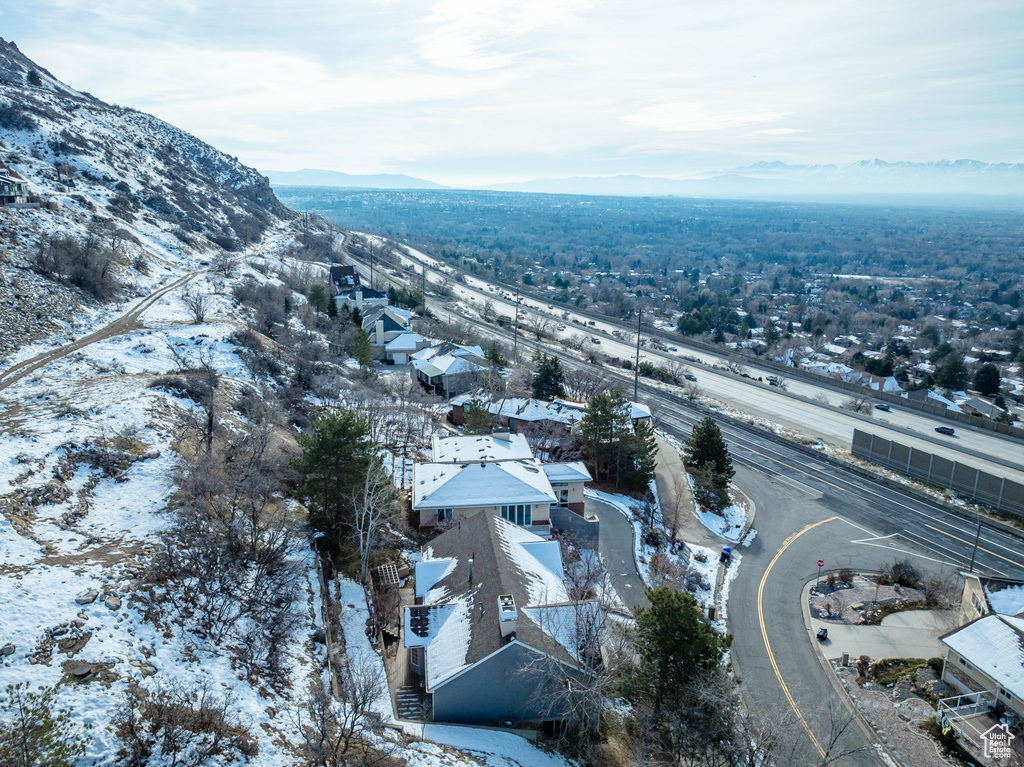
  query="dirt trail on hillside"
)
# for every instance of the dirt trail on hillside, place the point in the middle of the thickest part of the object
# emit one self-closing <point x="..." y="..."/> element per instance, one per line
<point x="123" y="324"/>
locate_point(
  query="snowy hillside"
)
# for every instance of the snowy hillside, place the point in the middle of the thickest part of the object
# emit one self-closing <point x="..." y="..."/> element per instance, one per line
<point x="153" y="200"/>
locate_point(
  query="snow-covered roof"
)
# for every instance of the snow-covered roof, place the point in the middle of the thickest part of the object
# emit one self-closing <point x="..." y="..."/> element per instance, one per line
<point x="495" y="558"/>
<point x="575" y="471"/>
<point x="404" y="342"/>
<point x="1006" y="599"/>
<point x="447" y="348"/>
<point x="429" y="571"/>
<point x="453" y="485"/>
<point x="532" y="410"/>
<point x="484" y="447"/>
<point x="445" y="631"/>
<point x="994" y="644"/>
<point x="446" y="364"/>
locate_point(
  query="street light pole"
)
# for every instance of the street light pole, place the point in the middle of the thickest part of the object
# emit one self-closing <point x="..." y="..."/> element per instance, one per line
<point x="636" y="366"/>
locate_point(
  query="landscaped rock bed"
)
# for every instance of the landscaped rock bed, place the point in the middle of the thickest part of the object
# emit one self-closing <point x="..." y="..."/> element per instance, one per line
<point x="862" y="600"/>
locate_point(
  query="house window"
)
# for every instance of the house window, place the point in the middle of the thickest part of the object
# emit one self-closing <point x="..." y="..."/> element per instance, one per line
<point x="443" y="514"/>
<point x="414" y="656"/>
<point x="965" y="664"/>
<point x="1005" y="694"/>
<point x="978" y="605"/>
<point x="521" y="513"/>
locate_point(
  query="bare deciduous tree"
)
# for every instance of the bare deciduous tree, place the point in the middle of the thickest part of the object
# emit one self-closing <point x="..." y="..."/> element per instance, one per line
<point x="197" y="303"/>
<point x="857" y="403"/>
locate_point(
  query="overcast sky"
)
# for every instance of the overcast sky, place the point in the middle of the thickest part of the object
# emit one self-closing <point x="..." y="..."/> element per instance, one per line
<point x="480" y="91"/>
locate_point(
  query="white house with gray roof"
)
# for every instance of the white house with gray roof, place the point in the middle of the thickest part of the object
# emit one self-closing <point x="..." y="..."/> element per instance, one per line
<point x="494" y="474"/>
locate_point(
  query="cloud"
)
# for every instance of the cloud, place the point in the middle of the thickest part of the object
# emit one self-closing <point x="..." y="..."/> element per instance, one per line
<point x="547" y="86"/>
<point x="688" y="117"/>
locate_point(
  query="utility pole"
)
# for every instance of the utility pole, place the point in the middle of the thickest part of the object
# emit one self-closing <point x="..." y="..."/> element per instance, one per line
<point x="371" y="265"/>
<point x="977" y="537"/>
<point x="636" y="367"/>
<point x="515" y="330"/>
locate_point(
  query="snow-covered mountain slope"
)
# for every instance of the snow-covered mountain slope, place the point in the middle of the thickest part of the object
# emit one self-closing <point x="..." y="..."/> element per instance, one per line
<point x="156" y="199"/>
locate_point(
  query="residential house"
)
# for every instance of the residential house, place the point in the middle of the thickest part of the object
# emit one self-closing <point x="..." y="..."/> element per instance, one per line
<point x="13" y="188"/>
<point x="495" y="474"/>
<point x="986" y="656"/>
<point x="520" y="413"/>
<point x="361" y="298"/>
<point x="984" y="664"/>
<point x="494" y="634"/>
<point x="448" y="368"/>
<point x="932" y="397"/>
<point x="384" y="324"/>
<point x="344" y="277"/>
<point x="399" y="350"/>
<point x="980" y="407"/>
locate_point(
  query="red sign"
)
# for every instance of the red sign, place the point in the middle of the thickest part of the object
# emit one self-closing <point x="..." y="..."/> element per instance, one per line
<point x="821" y="563"/>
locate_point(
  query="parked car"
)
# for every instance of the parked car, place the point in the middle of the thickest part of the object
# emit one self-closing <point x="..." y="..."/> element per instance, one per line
<point x="691" y="377"/>
<point x="595" y="340"/>
<point x="883" y="406"/>
<point x="947" y="430"/>
<point x="672" y="349"/>
<point x="561" y="326"/>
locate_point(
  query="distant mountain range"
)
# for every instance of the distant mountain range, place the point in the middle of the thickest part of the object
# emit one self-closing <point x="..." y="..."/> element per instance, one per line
<point x="308" y="177"/>
<point x="877" y="179"/>
<point x="777" y="180"/>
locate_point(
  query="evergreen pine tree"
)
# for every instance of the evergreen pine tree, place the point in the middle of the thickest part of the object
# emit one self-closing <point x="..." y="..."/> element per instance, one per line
<point x="332" y="308"/>
<point x="33" y="735"/>
<point x="547" y="377"/>
<point x="361" y="348"/>
<point x="478" y="419"/>
<point x="675" y="644"/>
<point x="986" y="380"/>
<point x="706" y="446"/>
<point x="493" y="355"/>
<point x="336" y="455"/>
<point x="639" y="457"/>
<point x="605" y="426"/>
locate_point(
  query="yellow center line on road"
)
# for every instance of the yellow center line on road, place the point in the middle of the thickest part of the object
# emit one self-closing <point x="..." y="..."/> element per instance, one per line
<point x="764" y="630"/>
<point x="819" y="478"/>
<point x="980" y="548"/>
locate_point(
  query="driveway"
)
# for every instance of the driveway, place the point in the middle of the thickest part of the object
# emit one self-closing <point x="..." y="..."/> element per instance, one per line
<point x="677" y="500"/>
<point x="911" y="634"/>
<point x="616" y="549"/>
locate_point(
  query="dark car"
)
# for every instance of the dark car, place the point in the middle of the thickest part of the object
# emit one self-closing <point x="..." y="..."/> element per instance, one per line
<point x="691" y="377"/>
<point x="884" y="407"/>
<point x="947" y="430"/>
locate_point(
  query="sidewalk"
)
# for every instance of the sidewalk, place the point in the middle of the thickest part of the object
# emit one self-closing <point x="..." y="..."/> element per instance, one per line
<point x="688" y="529"/>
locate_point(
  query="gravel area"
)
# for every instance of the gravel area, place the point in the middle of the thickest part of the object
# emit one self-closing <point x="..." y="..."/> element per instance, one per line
<point x="862" y="590"/>
<point x="897" y="722"/>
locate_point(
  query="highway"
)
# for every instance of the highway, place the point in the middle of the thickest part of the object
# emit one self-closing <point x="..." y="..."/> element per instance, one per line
<point x="795" y="409"/>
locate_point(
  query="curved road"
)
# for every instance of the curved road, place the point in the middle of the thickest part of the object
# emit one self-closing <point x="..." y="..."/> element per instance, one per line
<point x="123" y="324"/>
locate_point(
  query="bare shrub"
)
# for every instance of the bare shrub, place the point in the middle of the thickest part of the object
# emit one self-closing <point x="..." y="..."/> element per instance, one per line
<point x="184" y="724"/>
<point x="87" y="264"/>
<point x="227" y="565"/>
<point x="197" y="303"/>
